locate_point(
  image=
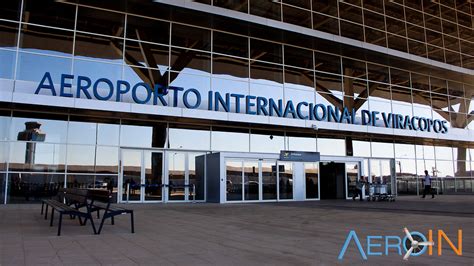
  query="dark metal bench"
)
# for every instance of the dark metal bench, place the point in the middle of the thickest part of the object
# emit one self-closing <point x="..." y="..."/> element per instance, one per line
<point x="101" y="200"/>
<point x="73" y="201"/>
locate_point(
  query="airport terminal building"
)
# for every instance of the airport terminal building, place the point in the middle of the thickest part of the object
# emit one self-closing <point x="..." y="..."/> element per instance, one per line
<point x="235" y="101"/>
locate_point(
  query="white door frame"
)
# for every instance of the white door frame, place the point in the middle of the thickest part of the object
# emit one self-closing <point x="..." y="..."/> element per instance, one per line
<point x="142" y="176"/>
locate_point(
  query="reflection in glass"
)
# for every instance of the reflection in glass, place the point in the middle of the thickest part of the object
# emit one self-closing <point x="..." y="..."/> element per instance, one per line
<point x="196" y="170"/>
<point x="26" y="188"/>
<point x="37" y="157"/>
<point x="149" y="30"/>
<point x="54" y="130"/>
<point x="147" y="55"/>
<point x="7" y="66"/>
<point x="269" y="181"/>
<point x="251" y="184"/>
<point x="285" y="180"/>
<point x="234" y="173"/>
<point x="131" y="175"/>
<point x="266" y="73"/>
<point x="97" y="70"/>
<point x="296" y="16"/>
<point x="31" y="68"/>
<point x="406" y="176"/>
<point x="190" y="61"/>
<point x="382" y="149"/>
<point x="2" y="187"/>
<point x="11" y="10"/>
<point x="100" y="21"/>
<point x="135" y="136"/>
<point x="50" y="13"/>
<point x="46" y="40"/>
<point x="221" y="136"/>
<point x="231" y="66"/>
<point x="103" y="48"/>
<point x="82" y="133"/>
<point x="3" y="157"/>
<point x="80" y="159"/>
<point x="311" y="171"/>
<point x="301" y="142"/>
<point x="265" y="51"/>
<point x="176" y="176"/>
<point x="191" y="37"/>
<point x="187" y="138"/>
<point x="267" y="9"/>
<point x="325" y="23"/>
<point x="153" y="175"/>
<point x="329" y="146"/>
<point x="265" y="141"/>
<point x="352" y="172"/>
<point x="230" y="44"/>
<point x="108" y="134"/>
<point x="106" y="160"/>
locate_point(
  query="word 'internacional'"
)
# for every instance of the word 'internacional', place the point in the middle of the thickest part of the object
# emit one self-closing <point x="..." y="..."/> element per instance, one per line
<point x="143" y="93"/>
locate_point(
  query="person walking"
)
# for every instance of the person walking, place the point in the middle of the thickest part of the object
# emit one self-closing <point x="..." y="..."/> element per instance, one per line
<point x="358" y="189"/>
<point x="427" y="183"/>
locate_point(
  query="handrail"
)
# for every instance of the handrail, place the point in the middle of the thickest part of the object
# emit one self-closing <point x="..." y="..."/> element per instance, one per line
<point x="164" y="185"/>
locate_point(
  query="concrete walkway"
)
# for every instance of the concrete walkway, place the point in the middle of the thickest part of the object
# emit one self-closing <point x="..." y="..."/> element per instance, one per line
<point x="291" y="233"/>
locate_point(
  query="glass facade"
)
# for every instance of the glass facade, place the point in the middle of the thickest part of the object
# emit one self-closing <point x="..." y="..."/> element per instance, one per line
<point x="438" y="30"/>
<point x="42" y="150"/>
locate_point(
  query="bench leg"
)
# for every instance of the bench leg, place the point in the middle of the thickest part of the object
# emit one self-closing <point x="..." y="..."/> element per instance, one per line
<point x="46" y="212"/>
<point x="98" y="215"/>
<point x="42" y="206"/>
<point x="60" y="223"/>
<point x="112" y="220"/>
<point x="92" y="223"/>
<point x="52" y="217"/>
<point x="101" y="224"/>
<point x="132" y="222"/>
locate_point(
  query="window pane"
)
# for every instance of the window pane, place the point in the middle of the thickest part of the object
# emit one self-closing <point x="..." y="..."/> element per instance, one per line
<point x="328" y="146"/>
<point x="142" y="135"/>
<point x="46" y="40"/>
<point x="80" y="159"/>
<point x="191" y="37"/>
<point x="99" y="48"/>
<point x="37" y="157"/>
<point x="108" y="134"/>
<point x="100" y="21"/>
<point x="149" y="30"/>
<point x="265" y="51"/>
<point x="220" y="139"/>
<point x="7" y="66"/>
<point x="50" y="13"/>
<point x="187" y="138"/>
<point x="297" y="16"/>
<point x="264" y="141"/>
<point x="266" y="8"/>
<point x="10" y="10"/>
<point x="46" y="130"/>
<point x="82" y="133"/>
<point x="311" y="171"/>
<point x="233" y="180"/>
<point x="230" y="44"/>
<point x="30" y="188"/>
<point x="9" y="33"/>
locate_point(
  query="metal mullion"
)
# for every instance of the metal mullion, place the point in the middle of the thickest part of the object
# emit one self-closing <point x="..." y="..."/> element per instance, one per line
<point x="142" y="176"/>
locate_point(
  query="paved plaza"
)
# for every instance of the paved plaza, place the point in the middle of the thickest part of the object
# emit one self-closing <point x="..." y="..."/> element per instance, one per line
<point x="291" y="233"/>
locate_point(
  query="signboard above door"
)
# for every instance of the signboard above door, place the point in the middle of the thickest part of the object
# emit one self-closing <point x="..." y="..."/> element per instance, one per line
<point x="299" y="156"/>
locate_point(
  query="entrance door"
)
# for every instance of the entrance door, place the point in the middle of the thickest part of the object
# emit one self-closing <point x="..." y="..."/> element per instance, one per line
<point x="141" y="176"/>
<point x="185" y="180"/>
<point x="332" y="180"/>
